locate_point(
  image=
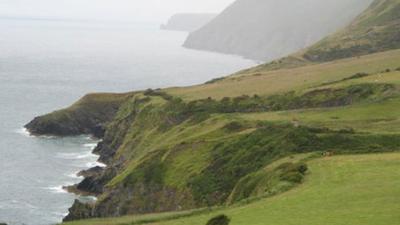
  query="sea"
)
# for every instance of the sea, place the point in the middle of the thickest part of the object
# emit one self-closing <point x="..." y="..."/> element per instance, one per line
<point x="46" y="65"/>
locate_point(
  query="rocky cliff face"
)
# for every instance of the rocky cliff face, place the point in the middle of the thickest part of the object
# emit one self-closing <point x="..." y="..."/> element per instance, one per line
<point x="269" y="29"/>
<point x="188" y="21"/>
<point x="164" y="154"/>
<point x="87" y="116"/>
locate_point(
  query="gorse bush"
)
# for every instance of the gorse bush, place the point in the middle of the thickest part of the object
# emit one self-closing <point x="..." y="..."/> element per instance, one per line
<point x="177" y="111"/>
<point x="219" y="220"/>
<point x="240" y="156"/>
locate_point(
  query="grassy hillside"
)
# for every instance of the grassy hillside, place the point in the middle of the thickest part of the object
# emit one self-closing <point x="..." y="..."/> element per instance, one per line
<point x="262" y="81"/>
<point x="86" y="116"/>
<point x="357" y="190"/>
<point x="375" y="30"/>
<point x="258" y="136"/>
<point x="222" y="143"/>
<point x="268" y="29"/>
<point x="180" y="150"/>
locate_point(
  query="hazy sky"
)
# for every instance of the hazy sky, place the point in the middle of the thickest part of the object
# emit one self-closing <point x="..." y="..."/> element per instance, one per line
<point x="130" y="10"/>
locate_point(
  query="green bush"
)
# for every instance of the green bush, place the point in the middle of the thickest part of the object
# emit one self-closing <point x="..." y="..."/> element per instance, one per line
<point x="294" y="177"/>
<point x="219" y="220"/>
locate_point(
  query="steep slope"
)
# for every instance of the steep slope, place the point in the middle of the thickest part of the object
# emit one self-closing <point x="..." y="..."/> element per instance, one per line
<point x="268" y="29"/>
<point x="237" y="139"/>
<point x="167" y="154"/>
<point x="188" y="21"/>
<point x="87" y="116"/>
<point x="370" y="182"/>
<point x="376" y="29"/>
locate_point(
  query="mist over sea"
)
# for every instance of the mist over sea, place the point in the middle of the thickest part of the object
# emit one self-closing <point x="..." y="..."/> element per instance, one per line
<point x="46" y="65"/>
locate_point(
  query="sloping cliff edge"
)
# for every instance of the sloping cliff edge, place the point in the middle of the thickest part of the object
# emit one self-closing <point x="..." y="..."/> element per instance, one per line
<point x="269" y="29"/>
<point x="165" y="154"/>
<point x="188" y="21"/>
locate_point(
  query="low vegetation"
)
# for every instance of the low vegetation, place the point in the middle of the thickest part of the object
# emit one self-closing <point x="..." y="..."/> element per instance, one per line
<point x="168" y="152"/>
<point x="357" y="189"/>
<point x="281" y="143"/>
<point x="219" y="220"/>
<point x="87" y="116"/>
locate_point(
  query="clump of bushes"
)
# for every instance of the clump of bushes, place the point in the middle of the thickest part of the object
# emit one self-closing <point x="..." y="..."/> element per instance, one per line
<point x="178" y="111"/>
<point x="234" y="126"/>
<point x="158" y="92"/>
<point x="398" y="69"/>
<point x="214" y="80"/>
<point x="357" y="76"/>
<point x="219" y="220"/>
<point x="293" y="172"/>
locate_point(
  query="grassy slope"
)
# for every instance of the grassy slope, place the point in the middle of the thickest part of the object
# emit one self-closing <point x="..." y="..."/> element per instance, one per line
<point x="376" y="29"/>
<point x="178" y="143"/>
<point x="84" y="116"/>
<point x="263" y="81"/>
<point x="184" y="151"/>
<point x="340" y="190"/>
<point x="379" y="117"/>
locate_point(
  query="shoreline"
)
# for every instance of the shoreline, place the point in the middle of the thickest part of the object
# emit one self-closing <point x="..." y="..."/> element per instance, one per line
<point x="93" y="168"/>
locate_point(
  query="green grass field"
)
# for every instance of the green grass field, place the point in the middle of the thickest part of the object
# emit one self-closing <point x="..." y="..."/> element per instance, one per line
<point x="379" y="117"/>
<point x="339" y="190"/>
<point x="265" y="82"/>
<point x="243" y="143"/>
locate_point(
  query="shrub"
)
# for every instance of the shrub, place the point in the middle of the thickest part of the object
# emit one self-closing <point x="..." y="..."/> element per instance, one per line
<point x="356" y="76"/>
<point x="294" y="177"/>
<point x="234" y="126"/>
<point x="219" y="220"/>
<point x="214" y="80"/>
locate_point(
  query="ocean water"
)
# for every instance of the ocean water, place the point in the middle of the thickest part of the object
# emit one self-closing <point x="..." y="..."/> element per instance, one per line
<point x="46" y="65"/>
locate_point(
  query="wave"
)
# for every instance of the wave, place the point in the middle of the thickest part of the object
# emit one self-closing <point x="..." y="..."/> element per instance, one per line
<point x="94" y="164"/>
<point x="23" y="131"/>
<point x="57" y="189"/>
<point x="74" y="175"/>
<point x="90" y="145"/>
<point x="84" y="155"/>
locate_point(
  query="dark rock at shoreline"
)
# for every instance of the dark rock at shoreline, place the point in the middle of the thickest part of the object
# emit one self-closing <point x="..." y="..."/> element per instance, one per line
<point x="91" y="172"/>
<point x="42" y="126"/>
<point x="88" y="116"/>
<point x="105" y="152"/>
<point x="79" y="211"/>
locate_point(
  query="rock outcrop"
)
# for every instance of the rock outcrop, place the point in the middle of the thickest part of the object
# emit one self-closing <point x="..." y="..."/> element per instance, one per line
<point x="188" y="21"/>
<point x="165" y="154"/>
<point x="87" y="116"/>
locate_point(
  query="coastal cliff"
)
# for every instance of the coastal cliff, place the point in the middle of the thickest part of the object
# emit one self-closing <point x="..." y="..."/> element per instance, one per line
<point x="269" y="29"/>
<point x="188" y="21"/>
<point x="166" y="154"/>
<point x="231" y="140"/>
<point x="87" y="116"/>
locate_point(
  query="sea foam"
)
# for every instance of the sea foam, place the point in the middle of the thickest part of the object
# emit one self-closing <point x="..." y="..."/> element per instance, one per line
<point x="23" y="131"/>
<point x="56" y="189"/>
<point x="83" y="155"/>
